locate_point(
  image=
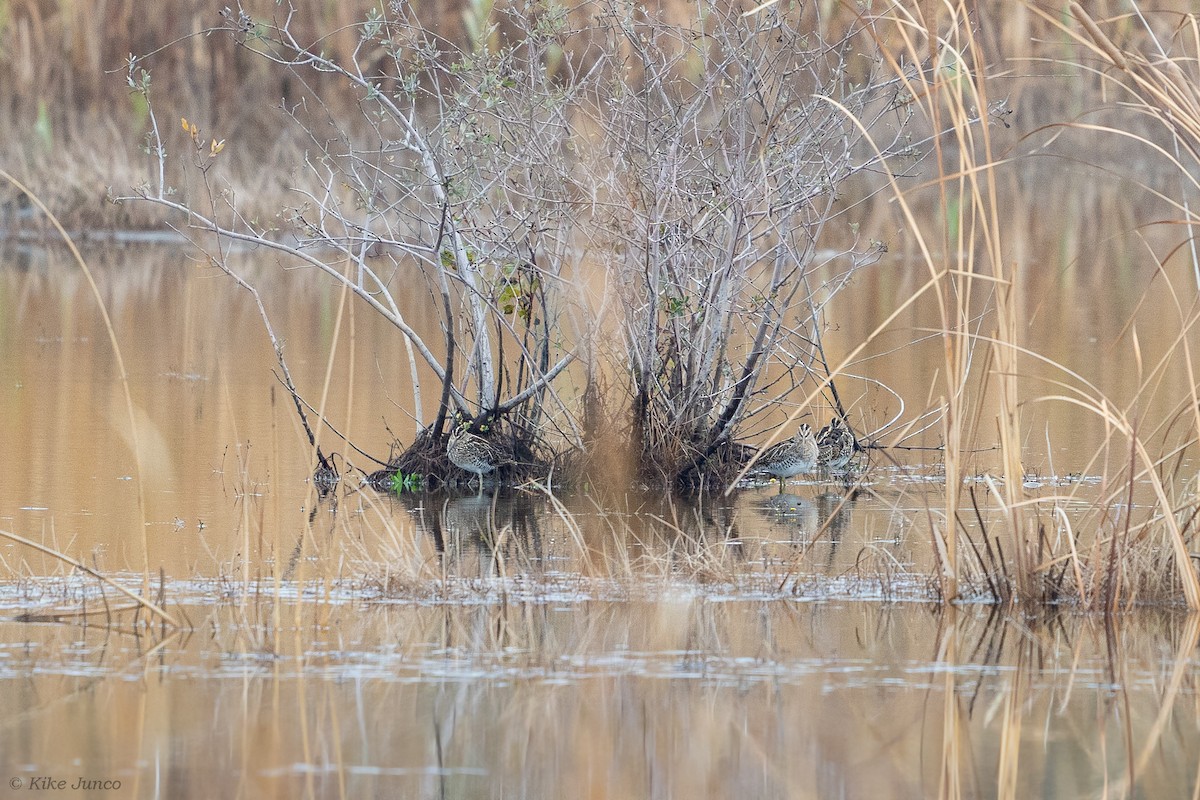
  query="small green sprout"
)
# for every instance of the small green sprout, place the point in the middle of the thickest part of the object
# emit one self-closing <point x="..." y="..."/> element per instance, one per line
<point x="412" y="482"/>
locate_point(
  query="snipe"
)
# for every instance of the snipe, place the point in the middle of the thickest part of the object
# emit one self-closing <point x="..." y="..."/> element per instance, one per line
<point x="470" y="451"/>
<point x="835" y="445"/>
<point x="791" y="457"/>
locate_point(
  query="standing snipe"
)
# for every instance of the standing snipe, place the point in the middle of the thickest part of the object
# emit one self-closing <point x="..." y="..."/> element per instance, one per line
<point x="791" y="457"/>
<point x="835" y="444"/>
<point x="472" y="452"/>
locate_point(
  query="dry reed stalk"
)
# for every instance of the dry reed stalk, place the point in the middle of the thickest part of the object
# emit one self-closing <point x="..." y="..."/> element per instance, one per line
<point x="140" y="600"/>
<point x="322" y="405"/>
<point x="1076" y="566"/>
<point x="276" y="532"/>
<point x="1110" y="50"/>
<point x="953" y="98"/>
<point x="967" y="98"/>
<point x="243" y="458"/>
<point x="87" y="111"/>
<point x="572" y="526"/>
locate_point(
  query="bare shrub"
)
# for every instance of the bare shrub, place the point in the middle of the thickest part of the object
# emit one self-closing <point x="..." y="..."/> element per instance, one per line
<point x="697" y="166"/>
<point x="718" y="154"/>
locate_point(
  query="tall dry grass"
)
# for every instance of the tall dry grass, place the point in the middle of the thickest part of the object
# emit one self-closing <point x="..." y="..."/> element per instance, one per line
<point x="966" y="260"/>
<point x="1104" y="558"/>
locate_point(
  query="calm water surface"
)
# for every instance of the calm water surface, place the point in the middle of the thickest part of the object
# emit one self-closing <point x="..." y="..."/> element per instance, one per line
<point x="615" y="645"/>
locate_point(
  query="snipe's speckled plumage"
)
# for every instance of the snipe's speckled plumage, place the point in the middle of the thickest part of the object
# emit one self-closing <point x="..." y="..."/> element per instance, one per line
<point x="790" y="457"/>
<point x="472" y="452"/>
<point x="835" y="445"/>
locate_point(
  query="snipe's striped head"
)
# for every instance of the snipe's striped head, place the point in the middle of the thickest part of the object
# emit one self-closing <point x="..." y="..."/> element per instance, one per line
<point x="835" y="444"/>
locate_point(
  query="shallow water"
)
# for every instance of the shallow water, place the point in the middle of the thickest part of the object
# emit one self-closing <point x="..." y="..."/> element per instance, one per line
<point x="507" y="644"/>
<point x="682" y="696"/>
